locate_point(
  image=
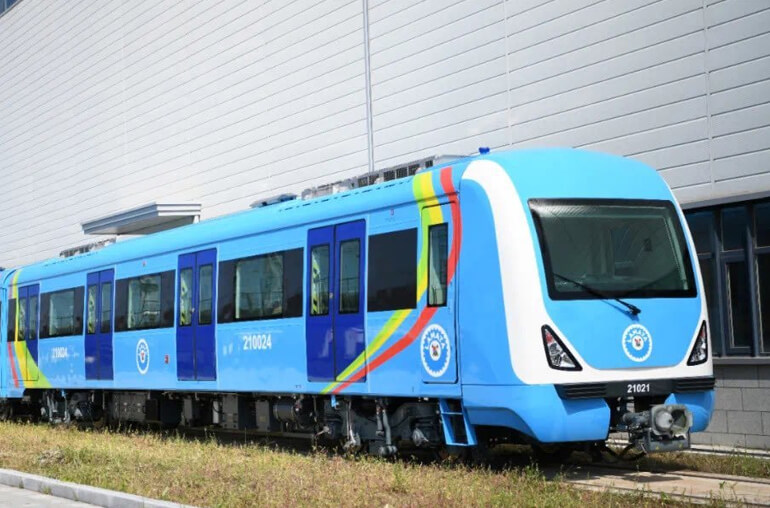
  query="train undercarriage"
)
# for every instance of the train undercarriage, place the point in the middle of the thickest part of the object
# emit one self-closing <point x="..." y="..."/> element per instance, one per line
<point x="374" y="425"/>
<point x="378" y="426"/>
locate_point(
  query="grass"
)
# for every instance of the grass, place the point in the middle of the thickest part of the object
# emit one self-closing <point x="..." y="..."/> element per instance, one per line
<point x="208" y="473"/>
<point x="732" y="464"/>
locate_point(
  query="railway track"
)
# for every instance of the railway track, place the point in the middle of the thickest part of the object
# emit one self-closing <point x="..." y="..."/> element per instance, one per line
<point x="689" y="486"/>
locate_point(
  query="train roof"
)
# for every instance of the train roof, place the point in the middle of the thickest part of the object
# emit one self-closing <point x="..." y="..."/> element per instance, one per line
<point x="528" y="167"/>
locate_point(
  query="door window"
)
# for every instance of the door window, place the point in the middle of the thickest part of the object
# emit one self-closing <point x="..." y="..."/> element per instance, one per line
<point x="437" y="264"/>
<point x="185" y="297"/>
<point x="33" y="317"/>
<point x="349" y="276"/>
<point x="91" y="310"/>
<point x="106" y="307"/>
<point x="22" y="319"/>
<point x="319" y="286"/>
<point x="204" y="294"/>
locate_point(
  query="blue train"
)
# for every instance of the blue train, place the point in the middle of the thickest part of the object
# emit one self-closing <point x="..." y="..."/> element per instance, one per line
<point x="542" y="296"/>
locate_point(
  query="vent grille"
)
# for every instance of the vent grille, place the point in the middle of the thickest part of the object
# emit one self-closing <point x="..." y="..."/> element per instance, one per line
<point x="695" y="384"/>
<point x="582" y="391"/>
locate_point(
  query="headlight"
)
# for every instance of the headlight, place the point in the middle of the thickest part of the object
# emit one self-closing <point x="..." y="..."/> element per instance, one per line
<point x="700" y="351"/>
<point x="557" y="354"/>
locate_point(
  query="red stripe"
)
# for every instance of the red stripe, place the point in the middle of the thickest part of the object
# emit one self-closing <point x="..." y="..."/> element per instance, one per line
<point x="13" y="366"/>
<point x="454" y="254"/>
<point x="403" y="342"/>
<point x="428" y="312"/>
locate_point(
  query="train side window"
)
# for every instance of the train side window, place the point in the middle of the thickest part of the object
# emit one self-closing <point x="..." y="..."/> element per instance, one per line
<point x="225" y="294"/>
<point x="319" y="285"/>
<point x="392" y="277"/>
<point x="349" y="274"/>
<point x="259" y="287"/>
<point x="33" y="313"/>
<point x="62" y="313"/>
<point x="205" y="275"/>
<point x="293" y="262"/>
<point x="91" y="310"/>
<point x="438" y="252"/>
<point x="106" y="307"/>
<point x="185" y="297"/>
<point x="11" y="320"/>
<point x="144" y="302"/>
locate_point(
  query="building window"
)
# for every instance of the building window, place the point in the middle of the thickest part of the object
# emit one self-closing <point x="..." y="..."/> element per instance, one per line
<point x="733" y="245"/>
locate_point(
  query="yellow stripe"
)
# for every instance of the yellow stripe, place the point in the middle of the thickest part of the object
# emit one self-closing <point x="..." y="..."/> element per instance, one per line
<point x="425" y="195"/>
<point x="22" y="351"/>
<point x="20" y="348"/>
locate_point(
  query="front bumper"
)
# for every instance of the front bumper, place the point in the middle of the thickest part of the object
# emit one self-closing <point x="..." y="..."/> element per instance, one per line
<point x="638" y="388"/>
<point x="538" y="411"/>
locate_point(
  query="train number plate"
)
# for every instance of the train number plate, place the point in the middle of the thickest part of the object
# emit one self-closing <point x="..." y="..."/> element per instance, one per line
<point x="637" y="388"/>
<point x="640" y="388"/>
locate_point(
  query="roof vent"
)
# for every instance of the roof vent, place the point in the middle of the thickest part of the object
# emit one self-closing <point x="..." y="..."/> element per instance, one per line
<point x="379" y="176"/>
<point x="273" y="200"/>
<point x="82" y="249"/>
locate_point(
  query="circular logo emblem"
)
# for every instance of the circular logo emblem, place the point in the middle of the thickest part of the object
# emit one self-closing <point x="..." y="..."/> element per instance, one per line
<point x="142" y="356"/>
<point x="637" y="343"/>
<point x="435" y="350"/>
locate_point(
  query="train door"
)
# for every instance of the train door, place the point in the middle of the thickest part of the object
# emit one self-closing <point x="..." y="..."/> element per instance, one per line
<point x="439" y="342"/>
<point x="98" y="344"/>
<point x="195" y="335"/>
<point x="28" y="320"/>
<point x="335" y="318"/>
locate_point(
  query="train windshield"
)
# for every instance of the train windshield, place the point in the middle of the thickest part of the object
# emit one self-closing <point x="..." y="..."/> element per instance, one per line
<point x="613" y="249"/>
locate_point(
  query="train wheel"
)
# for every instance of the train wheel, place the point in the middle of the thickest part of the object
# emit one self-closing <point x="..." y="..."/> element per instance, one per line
<point x="551" y="454"/>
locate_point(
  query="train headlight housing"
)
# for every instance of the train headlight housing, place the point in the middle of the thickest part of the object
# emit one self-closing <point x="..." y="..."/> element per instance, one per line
<point x="557" y="353"/>
<point x="700" y="351"/>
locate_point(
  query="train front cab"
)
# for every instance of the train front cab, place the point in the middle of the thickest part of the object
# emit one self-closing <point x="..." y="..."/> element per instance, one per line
<point x="593" y="294"/>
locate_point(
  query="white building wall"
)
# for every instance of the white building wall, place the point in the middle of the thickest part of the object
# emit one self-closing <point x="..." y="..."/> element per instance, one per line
<point x="107" y="105"/>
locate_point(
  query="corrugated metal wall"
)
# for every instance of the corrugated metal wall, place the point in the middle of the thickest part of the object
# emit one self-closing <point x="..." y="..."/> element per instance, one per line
<point x="105" y="106"/>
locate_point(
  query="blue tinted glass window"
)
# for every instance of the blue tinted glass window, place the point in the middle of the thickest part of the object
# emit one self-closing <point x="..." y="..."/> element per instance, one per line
<point x="762" y="224"/>
<point x="701" y="226"/>
<point x="734" y="221"/>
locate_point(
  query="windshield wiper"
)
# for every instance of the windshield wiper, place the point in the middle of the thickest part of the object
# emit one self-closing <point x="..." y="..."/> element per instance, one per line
<point x="588" y="289"/>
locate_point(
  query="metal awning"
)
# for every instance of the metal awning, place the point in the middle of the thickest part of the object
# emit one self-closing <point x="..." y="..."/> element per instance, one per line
<point x="144" y="219"/>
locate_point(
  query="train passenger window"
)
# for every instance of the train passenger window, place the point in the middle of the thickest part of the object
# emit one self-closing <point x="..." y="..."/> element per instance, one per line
<point x="185" y="297"/>
<point x="259" y="287"/>
<point x="205" y="276"/>
<point x="268" y="286"/>
<point x="61" y="313"/>
<point x="349" y="274"/>
<point x="225" y="292"/>
<point x="144" y="302"/>
<point x="392" y="273"/>
<point x="11" y="320"/>
<point x="91" y="310"/>
<point x="293" y="270"/>
<point x="106" y="307"/>
<point x="438" y="252"/>
<point x="319" y="286"/>
<point x="33" y="323"/>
